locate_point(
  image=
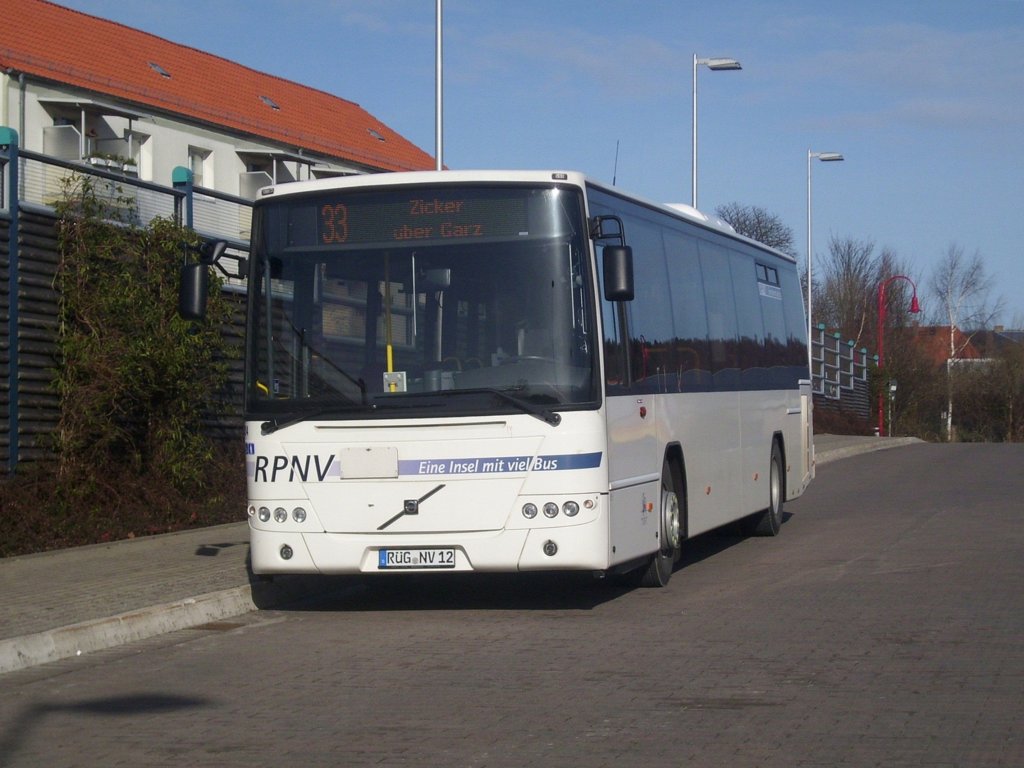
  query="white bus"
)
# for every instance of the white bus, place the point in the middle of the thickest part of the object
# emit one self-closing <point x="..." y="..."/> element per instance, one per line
<point x="512" y="371"/>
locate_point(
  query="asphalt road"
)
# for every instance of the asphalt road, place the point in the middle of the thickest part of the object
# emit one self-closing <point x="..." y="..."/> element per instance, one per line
<point x="884" y="626"/>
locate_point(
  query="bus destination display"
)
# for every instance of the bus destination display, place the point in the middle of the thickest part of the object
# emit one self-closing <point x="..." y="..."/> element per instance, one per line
<point x="420" y="217"/>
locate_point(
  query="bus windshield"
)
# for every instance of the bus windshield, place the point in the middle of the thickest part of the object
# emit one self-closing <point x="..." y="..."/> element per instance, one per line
<point x="433" y="300"/>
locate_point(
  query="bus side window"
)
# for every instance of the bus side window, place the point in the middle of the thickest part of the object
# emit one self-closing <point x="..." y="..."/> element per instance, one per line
<point x="651" y="316"/>
<point x="721" y="306"/>
<point x="750" y="324"/>
<point x="692" y="359"/>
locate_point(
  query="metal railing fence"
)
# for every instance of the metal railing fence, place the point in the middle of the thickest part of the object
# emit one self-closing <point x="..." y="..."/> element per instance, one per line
<point x="31" y="184"/>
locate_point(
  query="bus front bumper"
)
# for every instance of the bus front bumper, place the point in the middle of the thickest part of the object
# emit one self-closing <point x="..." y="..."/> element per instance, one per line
<point x="576" y="547"/>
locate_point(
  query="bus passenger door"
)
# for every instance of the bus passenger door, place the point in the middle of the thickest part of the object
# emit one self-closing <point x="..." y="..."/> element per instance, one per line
<point x="633" y="449"/>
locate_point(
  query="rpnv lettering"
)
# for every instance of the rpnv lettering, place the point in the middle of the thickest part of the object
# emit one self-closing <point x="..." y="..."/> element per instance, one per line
<point x="273" y="469"/>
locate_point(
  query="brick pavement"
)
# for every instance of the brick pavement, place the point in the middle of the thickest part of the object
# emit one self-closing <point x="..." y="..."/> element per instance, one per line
<point x="882" y="628"/>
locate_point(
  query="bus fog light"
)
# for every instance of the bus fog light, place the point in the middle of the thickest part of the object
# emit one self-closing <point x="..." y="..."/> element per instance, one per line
<point x="529" y="511"/>
<point x="570" y="509"/>
<point x="550" y="548"/>
<point x="264" y="514"/>
<point x="286" y="552"/>
<point x="299" y="515"/>
<point x="280" y="514"/>
<point x="550" y="509"/>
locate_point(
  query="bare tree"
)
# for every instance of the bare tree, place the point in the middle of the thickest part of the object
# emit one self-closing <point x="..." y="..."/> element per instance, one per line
<point x="962" y="291"/>
<point x="847" y="283"/>
<point x="847" y="287"/>
<point x="758" y="224"/>
<point x="844" y="287"/>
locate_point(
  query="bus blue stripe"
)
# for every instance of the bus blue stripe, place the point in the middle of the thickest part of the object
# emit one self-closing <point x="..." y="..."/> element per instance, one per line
<point x="478" y="465"/>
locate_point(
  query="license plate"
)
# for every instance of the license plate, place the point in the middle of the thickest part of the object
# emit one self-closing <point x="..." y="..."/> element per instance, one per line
<point x="394" y="559"/>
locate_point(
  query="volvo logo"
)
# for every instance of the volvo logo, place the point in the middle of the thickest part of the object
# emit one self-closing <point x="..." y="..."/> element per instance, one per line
<point x="410" y="507"/>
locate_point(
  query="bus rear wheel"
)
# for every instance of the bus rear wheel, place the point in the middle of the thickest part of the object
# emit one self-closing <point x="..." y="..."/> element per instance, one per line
<point x="658" y="570"/>
<point x="768" y="521"/>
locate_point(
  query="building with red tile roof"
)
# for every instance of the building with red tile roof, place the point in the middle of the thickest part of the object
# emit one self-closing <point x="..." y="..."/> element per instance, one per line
<point x="934" y="341"/>
<point x="76" y="86"/>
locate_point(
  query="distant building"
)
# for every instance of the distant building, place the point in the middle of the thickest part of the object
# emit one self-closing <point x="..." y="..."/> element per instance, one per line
<point x="971" y="348"/>
<point x="933" y="340"/>
<point x="84" y="89"/>
<point x="999" y="341"/>
<point x="1011" y="337"/>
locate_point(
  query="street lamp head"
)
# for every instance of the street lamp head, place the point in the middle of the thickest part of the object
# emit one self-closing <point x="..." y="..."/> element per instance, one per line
<point x="915" y="307"/>
<point x="720" y="64"/>
<point x="828" y="157"/>
<point x="717" y="64"/>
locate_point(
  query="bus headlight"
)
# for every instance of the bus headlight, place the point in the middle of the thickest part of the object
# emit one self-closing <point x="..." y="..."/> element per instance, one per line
<point x="280" y="515"/>
<point x="550" y="509"/>
<point x="264" y="514"/>
<point x="529" y="510"/>
<point x="570" y="509"/>
<point x="299" y="515"/>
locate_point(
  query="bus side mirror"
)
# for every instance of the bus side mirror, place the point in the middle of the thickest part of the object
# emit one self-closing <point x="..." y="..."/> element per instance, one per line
<point x="195" y="282"/>
<point x="618" y="273"/>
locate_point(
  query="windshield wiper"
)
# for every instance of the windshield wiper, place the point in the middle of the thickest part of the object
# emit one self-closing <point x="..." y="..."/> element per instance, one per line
<point x="274" y="424"/>
<point x="533" y="409"/>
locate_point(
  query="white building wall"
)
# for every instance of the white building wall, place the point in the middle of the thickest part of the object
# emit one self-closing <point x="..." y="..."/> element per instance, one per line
<point x="166" y="140"/>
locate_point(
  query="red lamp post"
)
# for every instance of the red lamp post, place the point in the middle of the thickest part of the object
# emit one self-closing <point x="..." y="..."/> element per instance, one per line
<point x="914" y="307"/>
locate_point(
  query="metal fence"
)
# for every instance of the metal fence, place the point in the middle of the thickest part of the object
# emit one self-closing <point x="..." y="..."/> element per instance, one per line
<point x="839" y="373"/>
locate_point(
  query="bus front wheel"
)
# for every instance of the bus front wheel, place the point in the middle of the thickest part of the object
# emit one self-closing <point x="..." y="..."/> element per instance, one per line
<point x="658" y="570"/>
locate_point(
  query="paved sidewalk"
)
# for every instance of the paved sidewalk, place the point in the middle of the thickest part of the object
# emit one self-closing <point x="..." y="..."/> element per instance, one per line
<point x="68" y="602"/>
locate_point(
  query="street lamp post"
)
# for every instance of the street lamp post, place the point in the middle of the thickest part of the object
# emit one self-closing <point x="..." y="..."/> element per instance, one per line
<point x="715" y="65"/>
<point x="915" y="307"/>
<point x="438" y="88"/>
<point x="825" y="157"/>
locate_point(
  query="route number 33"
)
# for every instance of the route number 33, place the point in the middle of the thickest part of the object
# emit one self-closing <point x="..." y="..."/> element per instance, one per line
<point x="334" y="223"/>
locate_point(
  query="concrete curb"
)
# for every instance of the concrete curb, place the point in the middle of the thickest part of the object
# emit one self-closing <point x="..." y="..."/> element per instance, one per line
<point x="100" y="634"/>
<point x="870" y="445"/>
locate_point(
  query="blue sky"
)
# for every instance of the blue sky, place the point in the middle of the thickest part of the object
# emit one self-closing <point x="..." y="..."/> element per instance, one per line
<point x="924" y="98"/>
